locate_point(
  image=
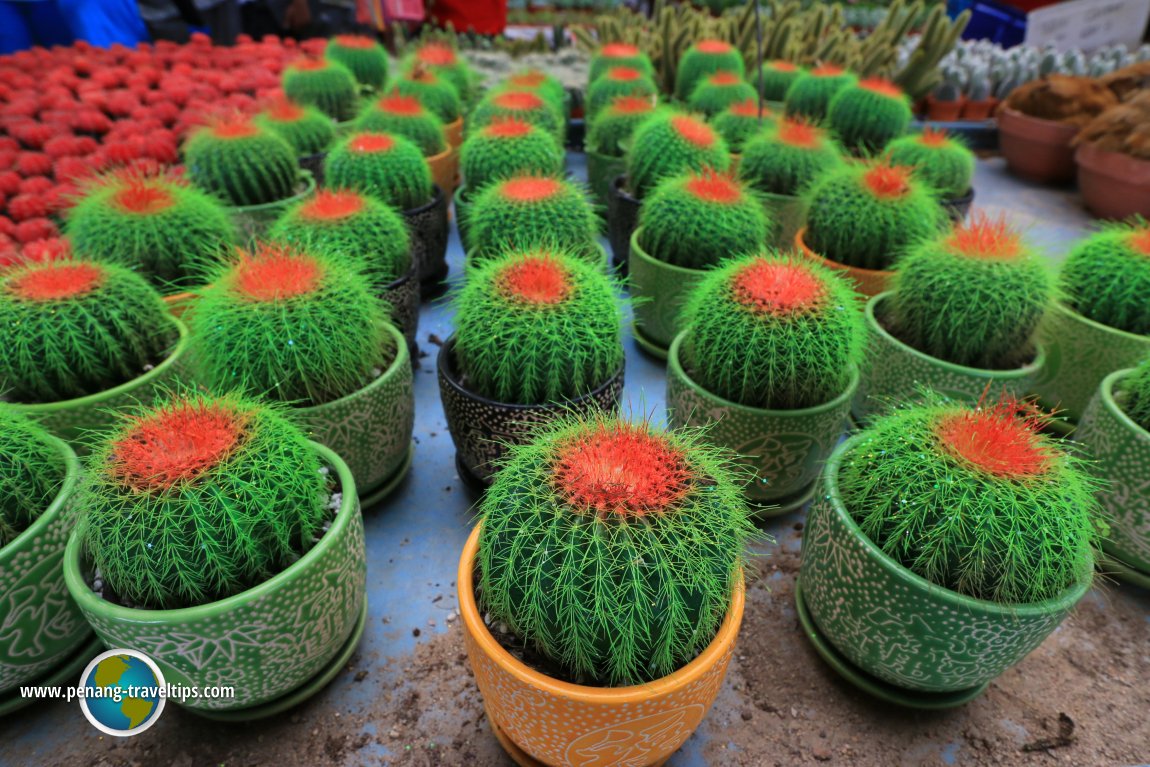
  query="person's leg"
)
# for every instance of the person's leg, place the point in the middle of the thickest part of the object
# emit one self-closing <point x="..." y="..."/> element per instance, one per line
<point x="15" y="32"/>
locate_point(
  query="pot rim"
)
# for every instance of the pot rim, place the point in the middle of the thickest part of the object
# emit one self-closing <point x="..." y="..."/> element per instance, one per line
<point x="1094" y="324"/>
<point x="55" y="506"/>
<point x="400" y="359"/>
<point x="1031" y="368"/>
<point x="711" y="655"/>
<point x="637" y="249"/>
<point x="90" y="602"/>
<point x="1106" y="393"/>
<point x="1014" y="114"/>
<point x="439" y="156"/>
<point x="801" y="247"/>
<point x="1063" y="602"/>
<point x="619" y="185"/>
<point x="309" y="187"/>
<point x="436" y="199"/>
<point x="1097" y="160"/>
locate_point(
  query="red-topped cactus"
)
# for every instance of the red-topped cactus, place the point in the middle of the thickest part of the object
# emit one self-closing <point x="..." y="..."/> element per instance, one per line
<point x="306" y="128"/>
<point x="386" y="166"/>
<point x="868" y="115"/>
<point x="718" y="91"/>
<point x="242" y="163"/>
<point x="619" y="55"/>
<point x="404" y="116"/>
<point x="704" y="58"/>
<point x="362" y="55"/>
<point x="810" y="94"/>
<point x="671" y="143"/>
<point x="618" y="82"/>
<point x="528" y="210"/>
<point x="522" y="105"/>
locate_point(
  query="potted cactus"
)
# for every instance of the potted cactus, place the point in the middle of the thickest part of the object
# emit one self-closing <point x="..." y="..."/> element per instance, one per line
<point x="773" y="80"/>
<point x="869" y="114"/>
<point x="922" y="591"/>
<point x="306" y="329"/>
<point x="72" y="385"/>
<point x="809" y="95"/>
<point x="770" y="358"/>
<point x="945" y="102"/>
<point x="943" y="162"/>
<point x="688" y="225"/>
<point x="549" y="88"/>
<point x="608" y="135"/>
<point x="719" y="91"/>
<point x="443" y="60"/>
<point x="619" y="82"/>
<point x="962" y="316"/>
<point x="262" y="551"/>
<point x="860" y="218"/>
<point x="326" y="85"/>
<point x="362" y="56"/>
<point x="619" y="55"/>
<point x="527" y="106"/>
<point x="309" y="131"/>
<point x="433" y="91"/>
<point x="706" y="57"/>
<point x="405" y="116"/>
<point x="643" y="583"/>
<point x="538" y="331"/>
<point x="740" y="122"/>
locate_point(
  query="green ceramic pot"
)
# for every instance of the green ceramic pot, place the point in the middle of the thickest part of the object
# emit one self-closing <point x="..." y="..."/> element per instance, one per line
<point x="370" y="429"/>
<point x="894" y="371"/>
<point x="901" y="628"/>
<point x="783" y="449"/>
<point x="72" y="420"/>
<point x="253" y="221"/>
<point x="1121" y="452"/>
<point x="1079" y="354"/>
<point x="602" y="169"/>
<point x="789" y="215"/>
<point x="661" y="289"/>
<point x="402" y="296"/>
<point x="265" y="642"/>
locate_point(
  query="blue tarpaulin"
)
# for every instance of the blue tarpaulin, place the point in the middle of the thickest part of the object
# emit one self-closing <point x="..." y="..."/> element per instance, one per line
<point x="24" y="23"/>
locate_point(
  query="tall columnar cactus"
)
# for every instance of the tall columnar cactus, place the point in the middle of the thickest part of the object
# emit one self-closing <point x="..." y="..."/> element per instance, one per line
<point x="940" y="160"/>
<point x="741" y="121"/>
<point x="404" y="116"/>
<point x="1137" y="389"/>
<point x="288" y="324"/>
<point x="537" y="325"/>
<point x="973" y="296"/>
<point x="434" y="92"/>
<point x="444" y="61"/>
<point x="527" y="211"/>
<point x="77" y="327"/>
<point x="618" y="82"/>
<point x="157" y="225"/>
<point x="537" y="81"/>
<point x="775" y="77"/>
<point x="307" y="129"/>
<point x="507" y="148"/>
<point x="619" y="582"/>
<point x="31" y="472"/>
<point x="811" y="92"/>
<point x="351" y="227"/>
<point x="383" y="165"/>
<point x="670" y="144"/>
<point x="973" y="500"/>
<point x="619" y="55"/>
<point x="241" y="163"/>
<point x="364" y="58"/>
<point x="705" y="58"/>
<point x="788" y="156"/>
<point x="324" y="84"/>
<point x="869" y="115"/>
<point x="1106" y="277"/>
<point x="868" y="215"/>
<point x="616" y="123"/>
<point x="714" y="93"/>
<point x="198" y="498"/>
<point x="520" y="105"/>
<point x="772" y="331"/>
<point x="698" y="219"/>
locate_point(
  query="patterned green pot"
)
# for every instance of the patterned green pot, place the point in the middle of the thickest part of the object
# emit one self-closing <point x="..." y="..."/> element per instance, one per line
<point x="72" y="420"/>
<point x="402" y="296"/>
<point x="370" y="429"/>
<point x="784" y="449"/>
<point x="899" y="628"/>
<point x="602" y="169"/>
<point x="265" y="642"/>
<point x="789" y="214"/>
<point x="253" y="221"/>
<point x="1079" y="354"/>
<point x="894" y="371"/>
<point x="1121" y="452"/>
<point x="661" y="289"/>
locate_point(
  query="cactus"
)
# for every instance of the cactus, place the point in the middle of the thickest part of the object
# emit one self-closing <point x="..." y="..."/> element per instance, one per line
<point x="788" y="156"/>
<point x="197" y="498"/>
<point x="404" y="116"/>
<point x="867" y="116"/>
<point x="619" y="582"/>
<point x="521" y="105"/>
<point x="715" y="93"/>
<point x="308" y="130"/>
<point x="507" y="148"/>
<point x="937" y="159"/>
<point x="995" y="291"/>
<point x="77" y="327"/>
<point x="241" y="163"/>
<point x="364" y="58"/>
<point x="434" y="92"/>
<point x="740" y="122"/>
<point x="324" y="84"/>
<point x="388" y="167"/>
<point x="157" y="225"/>
<point x="1106" y="277"/>
<point x="810" y="94"/>
<point x="288" y="324"/>
<point x="698" y="219"/>
<point x="446" y="63"/>
<point x="617" y="82"/>
<point x="1137" y="391"/>
<point x="525" y="211"/>
<point x="775" y="77"/>
<point x="974" y="500"/>
<point x="706" y="57"/>
<point x="616" y="123"/>
<point x="31" y="473"/>
<point x="539" y="82"/>
<point x="619" y="55"/>
<point x="867" y="215"/>
<point x="978" y="88"/>
<point x="670" y="143"/>
<point x="773" y="331"/>
<point x="537" y="325"/>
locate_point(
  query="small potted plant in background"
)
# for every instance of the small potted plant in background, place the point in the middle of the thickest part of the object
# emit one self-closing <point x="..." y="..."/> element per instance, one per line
<point x="618" y="55"/>
<point x="309" y="131"/>
<point x="364" y="58"/>
<point x="405" y="116"/>
<point x="628" y="597"/>
<point x="740" y="122"/>
<point x="215" y="520"/>
<point x="719" y="91"/>
<point x="608" y="135"/>
<point x="770" y="358"/>
<point x="944" y="103"/>
<point x="869" y="114"/>
<point x="326" y="85"/>
<point x="524" y="105"/>
<point x="943" y="162"/>
<point x="809" y="95"/>
<point x="773" y="80"/>
<point x="922" y="591"/>
<point x="704" y="58"/>
<point x="537" y="331"/>
<point x="302" y="328"/>
<point x="619" y="82"/>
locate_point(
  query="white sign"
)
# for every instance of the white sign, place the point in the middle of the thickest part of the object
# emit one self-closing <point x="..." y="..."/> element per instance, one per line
<point x="1088" y="24"/>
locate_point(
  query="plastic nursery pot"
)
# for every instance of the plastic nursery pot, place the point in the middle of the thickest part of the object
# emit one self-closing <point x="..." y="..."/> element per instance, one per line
<point x="1113" y="185"/>
<point x="427" y="225"/>
<point x="1079" y="354"/>
<point x="403" y="297"/>
<point x="462" y="206"/>
<point x="914" y="642"/>
<point x="783" y="449"/>
<point x="622" y="219"/>
<point x="313" y="164"/>
<point x="868" y="282"/>
<point x="253" y="220"/>
<point x="483" y="428"/>
<point x="445" y="170"/>
<point x="943" y="111"/>
<point x="957" y="208"/>
<point x="894" y="371"/>
<point x="73" y="419"/>
<point x="1120" y="449"/>
<point x="1036" y="149"/>
<point x="371" y="428"/>
<point x="663" y="289"/>
<point x="602" y="169"/>
<point x="453" y="132"/>
<point x="788" y="213"/>
<point x="541" y="720"/>
<point x="275" y="643"/>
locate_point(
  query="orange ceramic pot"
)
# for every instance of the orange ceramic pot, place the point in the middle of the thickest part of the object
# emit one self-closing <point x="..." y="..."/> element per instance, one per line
<point x="445" y="170"/>
<point x="179" y="304"/>
<point x="544" y="721"/>
<point x="868" y="282"/>
<point x="454" y="132"/>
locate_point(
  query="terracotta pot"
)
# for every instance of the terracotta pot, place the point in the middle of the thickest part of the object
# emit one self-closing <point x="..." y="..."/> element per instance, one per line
<point x="868" y="282"/>
<point x="943" y="111"/>
<point x="622" y="218"/>
<point x="445" y="170"/>
<point x="662" y="290"/>
<point x="545" y="721"/>
<point x="1036" y="149"/>
<point x="453" y="132"/>
<point x="1113" y="185"/>
<point x="979" y="110"/>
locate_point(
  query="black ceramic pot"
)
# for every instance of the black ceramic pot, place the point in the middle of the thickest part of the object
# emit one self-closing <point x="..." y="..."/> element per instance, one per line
<point x="314" y="163"/>
<point x="403" y="296"/>
<point x="622" y="218"/>
<point x="428" y="227"/>
<point x="462" y="206"/>
<point x="958" y="207"/>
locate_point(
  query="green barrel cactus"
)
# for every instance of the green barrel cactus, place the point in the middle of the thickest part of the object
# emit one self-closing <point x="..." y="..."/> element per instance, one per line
<point x="940" y="160"/>
<point x="715" y="93"/>
<point x="31" y="473"/>
<point x="308" y="130"/>
<point x="788" y="156"/>
<point x="618" y="82"/>
<point x="549" y="88"/>
<point x="364" y="58"/>
<point x="619" y="55"/>
<point x="326" y="85"/>
<point x="870" y="114"/>
<point x="706" y="57"/>
<point x="241" y="163"/>
<point x="445" y="62"/>
<point x="436" y="93"/>
<point x="404" y="116"/>
<point x="811" y="92"/>
<point x="1106" y="275"/>
<point x="670" y="143"/>
<point x="616" y="123"/>
<point x="526" y="211"/>
<point x="507" y="148"/>
<point x="1137" y="389"/>
<point x="775" y="77"/>
<point x="740" y="122"/>
<point x="388" y="167"/>
<point x="520" y="105"/>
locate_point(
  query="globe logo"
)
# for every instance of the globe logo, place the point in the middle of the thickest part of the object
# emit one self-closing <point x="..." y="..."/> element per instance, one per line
<point x="121" y="693"/>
